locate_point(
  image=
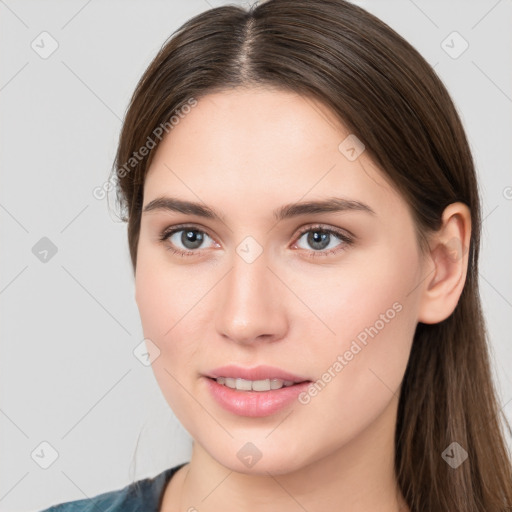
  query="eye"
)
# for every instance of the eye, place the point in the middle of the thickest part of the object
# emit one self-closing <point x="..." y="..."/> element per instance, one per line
<point x="320" y="238"/>
<point x="188" y="237"/>
<point x="189" y="240"/>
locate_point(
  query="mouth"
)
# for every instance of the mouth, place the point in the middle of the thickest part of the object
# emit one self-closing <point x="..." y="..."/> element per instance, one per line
<point x="258" y="378"/>
<point x="254" y="392"/>
<point x="255" y="385"/>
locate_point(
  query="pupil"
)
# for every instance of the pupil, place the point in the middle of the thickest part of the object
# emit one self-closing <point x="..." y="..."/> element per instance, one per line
<point x="193" y="237"/>
<point x="318" y="237"/>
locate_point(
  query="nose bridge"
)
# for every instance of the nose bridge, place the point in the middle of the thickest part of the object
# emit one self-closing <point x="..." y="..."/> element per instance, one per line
<point x="250" y="306"/>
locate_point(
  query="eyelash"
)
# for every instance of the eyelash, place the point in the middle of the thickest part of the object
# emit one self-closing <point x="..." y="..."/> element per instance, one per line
<point x="347" y="240"/>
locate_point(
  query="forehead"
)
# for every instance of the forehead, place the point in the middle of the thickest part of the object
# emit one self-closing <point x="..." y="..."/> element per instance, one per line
<point x="261" y="146"/>
<point x="256" y="122"/>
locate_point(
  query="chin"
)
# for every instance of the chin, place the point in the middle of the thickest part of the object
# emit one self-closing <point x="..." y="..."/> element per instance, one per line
<point x="249" y="460"/>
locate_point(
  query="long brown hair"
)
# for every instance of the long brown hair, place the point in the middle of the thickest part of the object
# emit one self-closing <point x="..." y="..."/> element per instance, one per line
<point x="391" y="99"/>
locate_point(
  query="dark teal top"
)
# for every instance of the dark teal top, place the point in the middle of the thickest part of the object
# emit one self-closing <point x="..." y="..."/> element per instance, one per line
<point x="141" y="496"/>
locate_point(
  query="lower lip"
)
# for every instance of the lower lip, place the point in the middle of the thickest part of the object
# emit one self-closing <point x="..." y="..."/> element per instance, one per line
<point x="254" y="404"/>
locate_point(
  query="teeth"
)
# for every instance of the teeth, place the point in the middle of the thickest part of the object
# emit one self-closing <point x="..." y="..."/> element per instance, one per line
<point x="244" y="385"/>
<point x="253" y="385"/>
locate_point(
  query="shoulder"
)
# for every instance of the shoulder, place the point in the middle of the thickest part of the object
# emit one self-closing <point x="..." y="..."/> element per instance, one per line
<point x="141" y="496"/>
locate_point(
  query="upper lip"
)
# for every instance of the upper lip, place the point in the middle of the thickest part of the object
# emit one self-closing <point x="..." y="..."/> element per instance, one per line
<point x="261" y="372"/>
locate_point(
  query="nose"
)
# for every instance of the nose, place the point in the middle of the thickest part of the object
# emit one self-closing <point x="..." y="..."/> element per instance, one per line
<point x="252" y="303"/>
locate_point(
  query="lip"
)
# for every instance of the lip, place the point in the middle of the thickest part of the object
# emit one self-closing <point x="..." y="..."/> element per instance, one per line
<point x="254" y="404"/>
<point x="261" y="372"/>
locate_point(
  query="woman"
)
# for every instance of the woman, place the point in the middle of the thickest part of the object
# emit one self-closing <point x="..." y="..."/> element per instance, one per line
<point x="303" y="223"/>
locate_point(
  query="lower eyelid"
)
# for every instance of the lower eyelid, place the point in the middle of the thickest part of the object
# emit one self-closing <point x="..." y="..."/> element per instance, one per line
<point x="166" y="235"/>
<point x="338" y="234"/>
<point x="343" y="238"/>
<point x="343" y="245"/>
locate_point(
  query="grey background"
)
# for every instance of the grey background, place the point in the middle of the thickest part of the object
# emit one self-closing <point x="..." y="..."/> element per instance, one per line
<point x="69" y="325"/>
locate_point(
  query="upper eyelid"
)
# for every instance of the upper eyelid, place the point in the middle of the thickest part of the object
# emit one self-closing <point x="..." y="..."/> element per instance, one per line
<point x="325" y="227"/>
<point x="171" y="230"/>
<point x="303" y="229"/>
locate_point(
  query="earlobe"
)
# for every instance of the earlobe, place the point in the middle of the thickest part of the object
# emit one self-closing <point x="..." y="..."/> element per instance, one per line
<point x="447" y="261"/>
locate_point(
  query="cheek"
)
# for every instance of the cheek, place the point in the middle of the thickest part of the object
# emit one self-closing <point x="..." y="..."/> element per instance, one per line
<point x="370" y="312"/>
<point x="163" y="299"/>
<point x="373" y="313"/>
<point x="163" y="296"/>
<point x="171" y="307"/>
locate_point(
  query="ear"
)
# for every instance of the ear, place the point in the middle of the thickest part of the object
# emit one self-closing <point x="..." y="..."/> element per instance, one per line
<point x="446" y="265"/>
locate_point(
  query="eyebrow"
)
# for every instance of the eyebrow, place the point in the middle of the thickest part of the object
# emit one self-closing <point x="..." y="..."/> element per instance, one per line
<point x="332" y="204"/>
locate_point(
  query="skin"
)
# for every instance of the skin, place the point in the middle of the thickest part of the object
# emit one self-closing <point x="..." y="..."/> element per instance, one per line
<point x="246" y="152"/>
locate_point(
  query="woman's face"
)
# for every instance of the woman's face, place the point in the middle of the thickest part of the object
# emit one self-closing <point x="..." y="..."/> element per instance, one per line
<point x="329" y="296"/>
